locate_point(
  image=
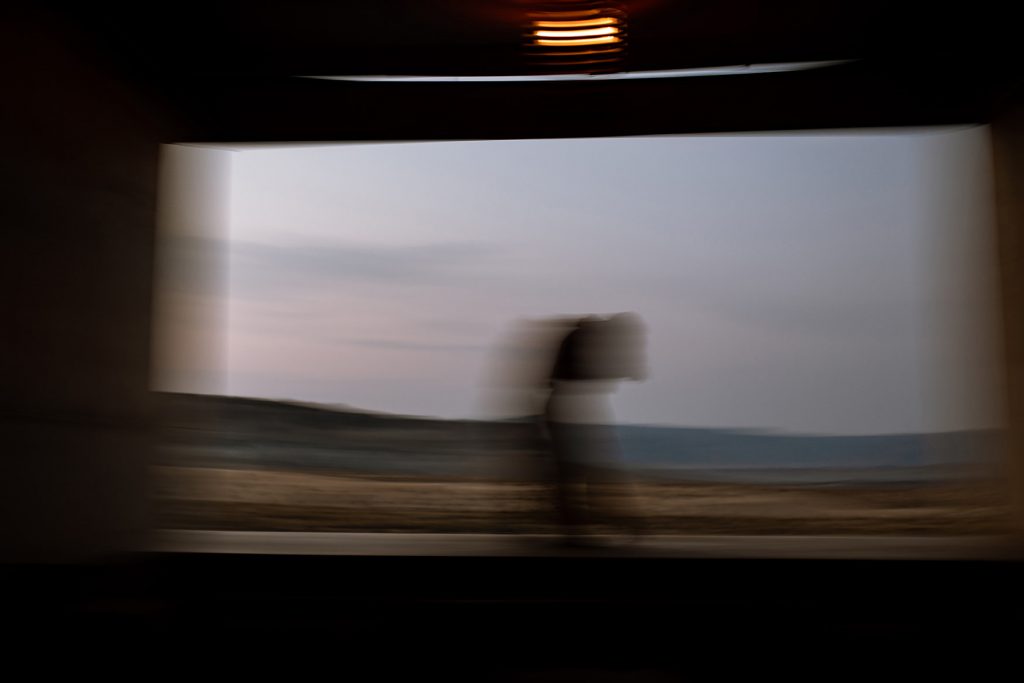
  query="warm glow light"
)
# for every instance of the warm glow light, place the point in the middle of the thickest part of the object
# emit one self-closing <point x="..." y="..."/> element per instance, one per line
<point x="600" y="40"/>
<point x="559" y="40"/>
<point x="582" y="33"/>
<point x="571" y="14"/>
<point x="581" y="23"/>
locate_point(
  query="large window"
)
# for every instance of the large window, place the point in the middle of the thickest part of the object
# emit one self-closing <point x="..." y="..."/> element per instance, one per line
<point x="348" y="331"/>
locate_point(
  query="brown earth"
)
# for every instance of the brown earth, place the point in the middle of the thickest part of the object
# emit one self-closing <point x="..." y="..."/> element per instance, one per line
<point x="270" y="500"/>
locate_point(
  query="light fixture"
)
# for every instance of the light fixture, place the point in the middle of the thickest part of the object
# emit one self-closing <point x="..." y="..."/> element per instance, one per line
<point x="575" y="36"/>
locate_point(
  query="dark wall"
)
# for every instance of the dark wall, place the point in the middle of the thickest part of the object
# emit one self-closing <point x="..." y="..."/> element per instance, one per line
<point x="79" y="165"/>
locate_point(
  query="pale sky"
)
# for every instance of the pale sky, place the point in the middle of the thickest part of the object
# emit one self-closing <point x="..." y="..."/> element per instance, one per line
<point x="821" y="282"/>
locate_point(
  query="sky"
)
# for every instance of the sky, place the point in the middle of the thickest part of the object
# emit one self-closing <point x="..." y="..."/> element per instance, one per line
<point x="821" y="282"/>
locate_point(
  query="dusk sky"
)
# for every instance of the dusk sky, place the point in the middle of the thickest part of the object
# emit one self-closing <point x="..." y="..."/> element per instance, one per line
<point x="818" y="282"/>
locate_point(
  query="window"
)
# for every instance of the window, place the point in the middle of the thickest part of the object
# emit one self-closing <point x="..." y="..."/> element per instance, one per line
<point x="344" y="326"/>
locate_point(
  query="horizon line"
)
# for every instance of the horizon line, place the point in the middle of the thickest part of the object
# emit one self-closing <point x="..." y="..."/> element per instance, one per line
<point x="775" y="431"/>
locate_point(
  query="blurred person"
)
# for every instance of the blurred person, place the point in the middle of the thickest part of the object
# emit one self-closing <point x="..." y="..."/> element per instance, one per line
<point x="588" y="482"/>
<point x="516" y="399"/>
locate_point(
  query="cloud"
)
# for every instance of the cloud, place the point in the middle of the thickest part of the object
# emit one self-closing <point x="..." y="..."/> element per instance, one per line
<point x="265" y="268"/>
<point x="393" y="345"/>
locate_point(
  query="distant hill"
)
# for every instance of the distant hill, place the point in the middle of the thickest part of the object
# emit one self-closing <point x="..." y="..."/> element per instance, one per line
<point x="249" y="432"/>
<point x="672" y="446"/>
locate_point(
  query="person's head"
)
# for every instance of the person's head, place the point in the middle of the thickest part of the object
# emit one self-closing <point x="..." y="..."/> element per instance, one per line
<point x="627" y="320"/>
<point x="625" y="343"/>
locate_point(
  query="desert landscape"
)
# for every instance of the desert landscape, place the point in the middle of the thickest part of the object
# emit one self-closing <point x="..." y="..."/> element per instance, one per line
<point x="253" y="465"/>
<point x="267" y="500"/>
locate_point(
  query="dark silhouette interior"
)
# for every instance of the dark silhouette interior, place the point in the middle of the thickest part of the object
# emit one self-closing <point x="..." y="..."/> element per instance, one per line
<point x="90" y="94"/>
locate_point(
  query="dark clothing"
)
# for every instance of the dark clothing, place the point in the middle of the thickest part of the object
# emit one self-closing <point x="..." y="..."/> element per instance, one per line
<point x="589" y="486"/>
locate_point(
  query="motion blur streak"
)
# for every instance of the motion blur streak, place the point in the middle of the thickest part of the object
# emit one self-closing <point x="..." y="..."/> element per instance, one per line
<point x="577" y="34"/>
<point x="579" y="41"/>
<point x="604" y="21"/>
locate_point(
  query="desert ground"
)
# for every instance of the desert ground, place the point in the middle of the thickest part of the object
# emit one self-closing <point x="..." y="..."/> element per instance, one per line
<point x="276" y="500"/>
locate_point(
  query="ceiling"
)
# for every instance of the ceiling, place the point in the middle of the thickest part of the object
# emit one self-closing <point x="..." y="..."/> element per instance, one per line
<point x="232" y="69"/>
